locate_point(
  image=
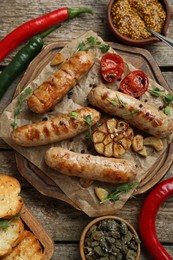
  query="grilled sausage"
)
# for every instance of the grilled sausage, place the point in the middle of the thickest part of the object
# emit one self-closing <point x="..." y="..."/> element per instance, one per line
<point x="57" y="85"/>
<point x="91" y="167"/>
<point x="56" y="129"/>
<point x="139" y="114"/>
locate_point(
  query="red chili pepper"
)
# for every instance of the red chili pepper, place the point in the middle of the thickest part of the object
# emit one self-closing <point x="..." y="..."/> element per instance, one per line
<point x="148" y="216"/>
<point x="35" y="26"/>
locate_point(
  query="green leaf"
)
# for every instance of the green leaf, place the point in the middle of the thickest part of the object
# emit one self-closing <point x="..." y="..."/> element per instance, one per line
<point x="74" y="114"/>
<point x="168" y="98"/>
<point x="113" y="102"/>
<point x="14" y="124"/>
<point x="4" y="223"/>
<point x="21" y="99"/>
<point x="155" y="92"/>
<point x="80" y="46"/>
<point x="126" y="187"/>
<point x="88" y="120"/>
<point x="92" y="42"/>
<point x="132" y="113"/>
<point x="121" y="102"/>
<point x="104" y="48"/>
<point x="115" y="195"/>
<point x="167" y="110"/>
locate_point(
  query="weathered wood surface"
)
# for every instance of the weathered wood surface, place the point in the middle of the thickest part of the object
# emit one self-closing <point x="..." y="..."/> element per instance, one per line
<point x="63" y="222"/>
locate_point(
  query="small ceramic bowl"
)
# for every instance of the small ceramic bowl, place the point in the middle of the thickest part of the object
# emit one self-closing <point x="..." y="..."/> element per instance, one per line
<point x="111" y="228"/>
<point x="144" y="42"/>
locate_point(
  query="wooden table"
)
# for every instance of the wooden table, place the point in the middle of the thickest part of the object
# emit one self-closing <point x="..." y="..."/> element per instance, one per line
<point x="63" y="222"/>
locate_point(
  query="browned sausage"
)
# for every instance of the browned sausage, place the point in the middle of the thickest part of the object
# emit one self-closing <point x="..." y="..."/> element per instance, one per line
<point x="143" y="116"/>
<point x="54" y="130"/>
<point x="89" y="166"/>
<point x="57" y="85"/>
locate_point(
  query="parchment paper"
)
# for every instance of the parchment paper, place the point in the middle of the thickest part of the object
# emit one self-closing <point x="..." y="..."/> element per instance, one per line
<point x="84" y="197"/>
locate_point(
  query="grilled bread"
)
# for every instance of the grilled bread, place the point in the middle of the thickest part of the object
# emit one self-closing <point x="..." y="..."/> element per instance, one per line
<point x="10" y="201"/>
<point x="11" y="236"/>
<point x="28" y="249"/>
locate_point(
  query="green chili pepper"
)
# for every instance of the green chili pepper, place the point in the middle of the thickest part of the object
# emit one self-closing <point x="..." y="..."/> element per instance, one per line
<point x="22" y="60"/>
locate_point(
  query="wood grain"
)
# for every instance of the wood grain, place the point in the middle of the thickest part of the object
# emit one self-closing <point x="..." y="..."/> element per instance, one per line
<point x="26" y="10"/>
<point x="37" y="229"/>
<point x="63" y="222"/>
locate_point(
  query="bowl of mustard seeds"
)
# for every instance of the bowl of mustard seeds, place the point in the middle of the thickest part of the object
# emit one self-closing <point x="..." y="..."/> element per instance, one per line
<point x="129" y="20"/>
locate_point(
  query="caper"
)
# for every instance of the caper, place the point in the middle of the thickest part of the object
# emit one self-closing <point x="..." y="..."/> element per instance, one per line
<point x="110" y="240"/>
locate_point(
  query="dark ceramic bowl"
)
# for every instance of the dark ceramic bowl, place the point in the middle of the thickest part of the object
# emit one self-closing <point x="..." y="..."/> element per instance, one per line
<point x="144" y="42"/>
<point x="97" y="222"/>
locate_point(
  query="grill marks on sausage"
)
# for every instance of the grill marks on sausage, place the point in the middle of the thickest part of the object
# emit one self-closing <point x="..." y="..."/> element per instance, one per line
<point x="139" y="114"/>
<point x="56" y="129"/>
<point x="32" y="134"/>
<point x="61" y="82"/>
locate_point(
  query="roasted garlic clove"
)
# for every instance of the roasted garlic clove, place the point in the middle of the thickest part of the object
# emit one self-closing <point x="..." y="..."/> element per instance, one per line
<point x="113" y="138"/>
<point x="101" y="193"/>
<point x="57" y="59"/>
<point x="154" y="142"/>
<point x="143" y="152"/>
<point x="138" y="143"/>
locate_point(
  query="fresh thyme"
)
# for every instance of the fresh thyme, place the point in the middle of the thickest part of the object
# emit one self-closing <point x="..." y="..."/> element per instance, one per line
<point x="21" y="99"/>
<point x="167" y="98"/>
<point x="115" y="195"/>
<point x="90" y="43"/>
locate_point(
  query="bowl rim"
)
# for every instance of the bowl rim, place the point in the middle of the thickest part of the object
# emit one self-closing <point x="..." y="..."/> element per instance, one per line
<point x="144" y="41"/>
<point x="94" y="221"/>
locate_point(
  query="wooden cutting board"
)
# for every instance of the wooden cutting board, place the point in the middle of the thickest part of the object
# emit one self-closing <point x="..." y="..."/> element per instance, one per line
<point x="139" y="58"/>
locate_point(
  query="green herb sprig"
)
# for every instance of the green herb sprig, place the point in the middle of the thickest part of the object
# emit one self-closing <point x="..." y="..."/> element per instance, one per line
<point x="167" y="98"/>
<point x="90" y="43"/>
<point x="115" y="195"/>
<point x="113" y="102"/>
<point x="21" y="99"/>
<point x="87" y="120"/>
<point x="4" y="223"/>
<point x="131" y="113"/>
<point x="121" y="102"/>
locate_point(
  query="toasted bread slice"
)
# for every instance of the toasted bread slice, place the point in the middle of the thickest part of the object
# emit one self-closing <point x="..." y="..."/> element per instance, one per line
<point x="28" y="249"/>
<point x="10" y="201"/>
<point x="11" y="236"/>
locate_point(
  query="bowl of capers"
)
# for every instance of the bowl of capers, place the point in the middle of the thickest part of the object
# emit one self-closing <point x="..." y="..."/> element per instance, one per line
<point x="109" y="237"/>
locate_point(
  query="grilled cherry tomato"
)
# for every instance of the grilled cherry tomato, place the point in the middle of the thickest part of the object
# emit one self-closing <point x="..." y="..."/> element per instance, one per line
<point x="135" y="84"/>
<point x="111" y="67"/>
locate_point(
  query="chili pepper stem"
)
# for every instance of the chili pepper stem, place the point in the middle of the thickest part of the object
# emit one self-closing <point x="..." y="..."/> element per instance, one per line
<point x="74" y="12"/>
<point x="47" y="32"/>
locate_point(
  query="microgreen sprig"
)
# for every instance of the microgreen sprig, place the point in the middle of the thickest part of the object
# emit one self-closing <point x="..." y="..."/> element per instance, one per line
<point x="131" y="113"/>
<point x="115" y="195"/>
<point x="21" y="99"/>
<point x="167" y="98"/>
<point x="90" y="43"/>
<point x="121" y="102"/>
<point x="87" y="120"/>
<point x="113" y="102"/>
